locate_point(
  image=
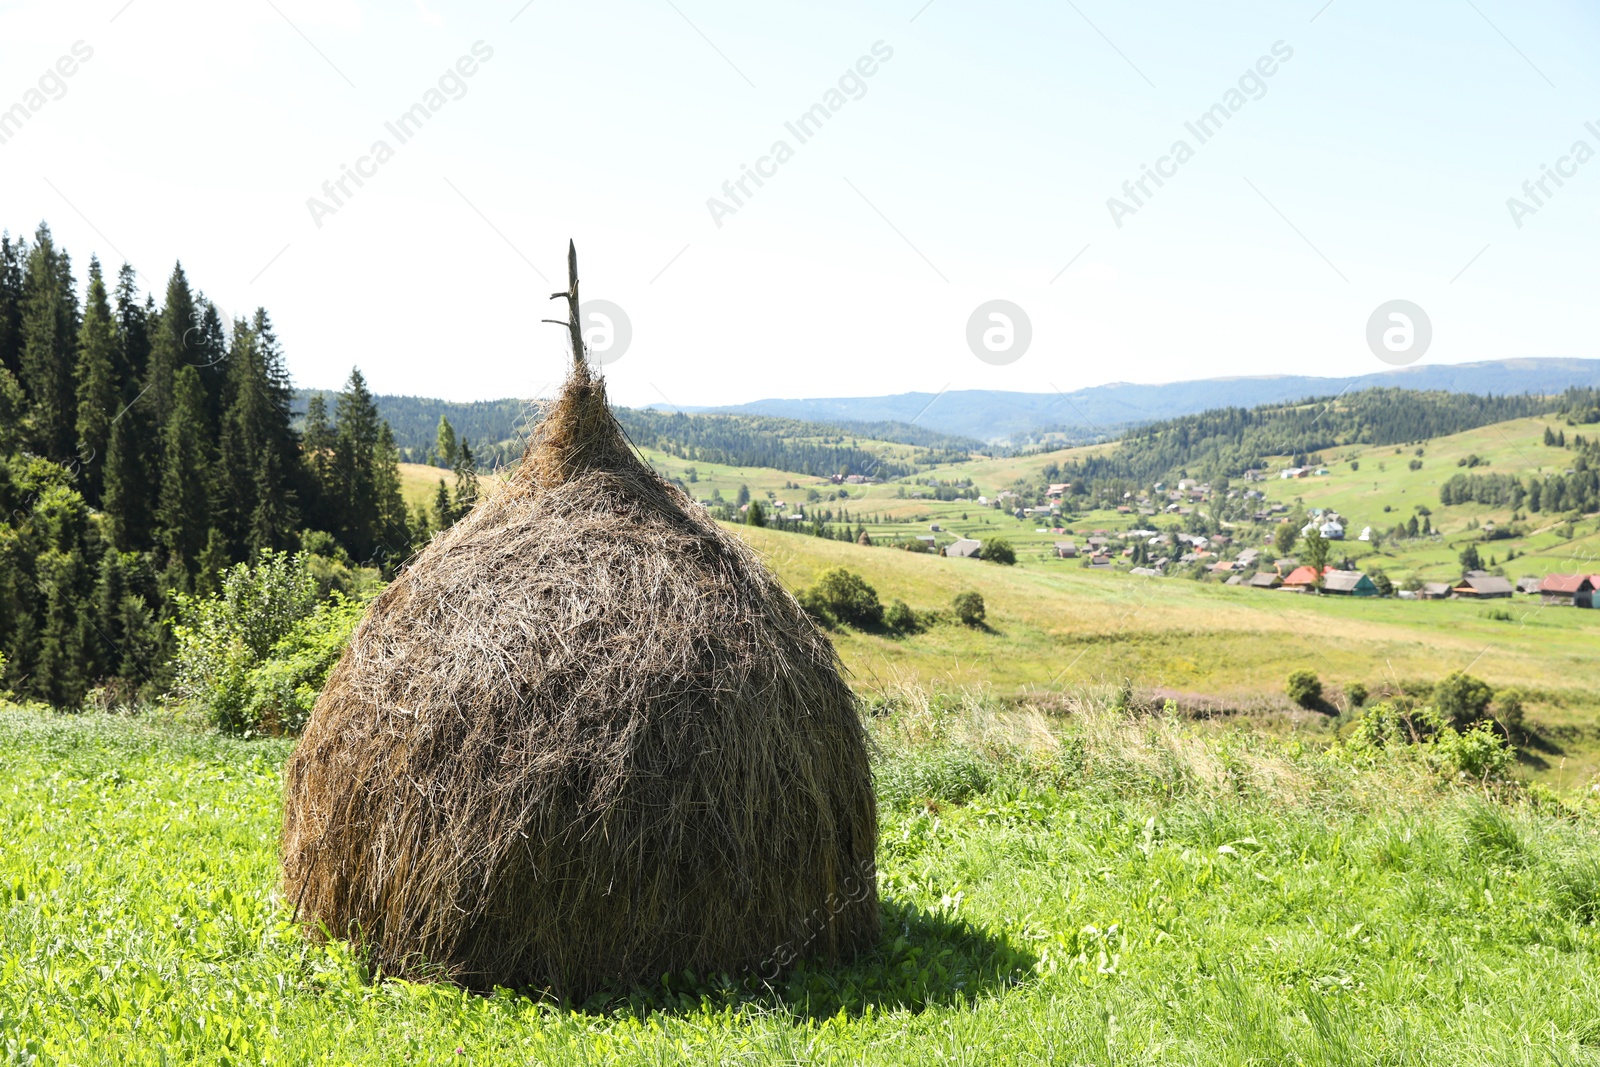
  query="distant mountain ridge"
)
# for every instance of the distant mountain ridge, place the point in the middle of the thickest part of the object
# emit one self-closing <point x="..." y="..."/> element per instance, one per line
<point x="1105" y="410"/>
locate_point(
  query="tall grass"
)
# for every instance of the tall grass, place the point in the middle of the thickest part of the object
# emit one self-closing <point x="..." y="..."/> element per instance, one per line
<point x="1063" y="883"/>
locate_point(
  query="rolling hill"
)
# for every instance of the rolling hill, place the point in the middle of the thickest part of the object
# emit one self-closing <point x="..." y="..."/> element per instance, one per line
<point x="1103" y="410"/>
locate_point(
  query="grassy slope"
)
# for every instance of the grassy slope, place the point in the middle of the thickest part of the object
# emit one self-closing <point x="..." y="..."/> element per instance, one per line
<point x="1129" y="893"/>
<point x="1054" y="623"/>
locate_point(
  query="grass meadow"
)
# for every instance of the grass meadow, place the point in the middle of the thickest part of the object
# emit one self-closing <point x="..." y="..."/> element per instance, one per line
<point x="1071" y="887"/>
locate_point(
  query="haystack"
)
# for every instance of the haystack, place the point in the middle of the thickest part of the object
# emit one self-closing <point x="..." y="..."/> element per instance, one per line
<point x="585" y="739"/>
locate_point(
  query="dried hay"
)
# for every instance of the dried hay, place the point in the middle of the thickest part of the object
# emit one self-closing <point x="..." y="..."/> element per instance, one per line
<point x="584" y="740"/>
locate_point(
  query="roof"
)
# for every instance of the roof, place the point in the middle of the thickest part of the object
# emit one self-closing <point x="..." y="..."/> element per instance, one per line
<point x="966" y="548"/>
<point x="1490" y="585"/>
<point x="1264" y="580"/>
<point x="1566" y="584"/>
<point x="1306" y="575"/>
<point x="1344" y="581"/>
<point x="1436" y="588"/>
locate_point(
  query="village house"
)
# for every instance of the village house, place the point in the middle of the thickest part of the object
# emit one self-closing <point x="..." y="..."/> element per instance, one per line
<point x="1264" y="580"/>
<point x="1567" y="590"/>
<point x="1303" y="579"/>
<point x="1348" y="583"/>
<point x="1483" y="587"/>
<point x="965" y="548"/>
<point x="1066" y="550"/>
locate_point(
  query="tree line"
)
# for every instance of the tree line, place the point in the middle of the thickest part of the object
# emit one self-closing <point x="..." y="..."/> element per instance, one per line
<point x="144" y="449"/>
<point x="1226" y="442"/>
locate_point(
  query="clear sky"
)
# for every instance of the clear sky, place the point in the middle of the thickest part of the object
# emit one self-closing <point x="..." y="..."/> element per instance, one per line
<point x="974" y="163"/>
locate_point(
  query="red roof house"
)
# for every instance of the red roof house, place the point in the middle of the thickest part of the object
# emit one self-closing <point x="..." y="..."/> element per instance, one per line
<point x="1304" y="577"/>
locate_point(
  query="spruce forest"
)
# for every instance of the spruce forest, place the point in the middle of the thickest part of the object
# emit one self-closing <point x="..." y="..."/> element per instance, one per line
<point x="147" y="446"/>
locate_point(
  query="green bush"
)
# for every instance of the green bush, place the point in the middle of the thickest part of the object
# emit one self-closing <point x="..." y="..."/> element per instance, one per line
<point x="899" y="617"/>
<point x="842" y="596"/>
<point x="1461" y="698"/>
<point x="280" y="693"/>
<point x="251" y="658"/>
<point x="968" y="608"/>
<point x="1508" y="709"/>
<point x="999" y="550"/>
<point x="1305" y="689"/>
<point x="1480" y="751"/>
<point x="1356" y="693"/>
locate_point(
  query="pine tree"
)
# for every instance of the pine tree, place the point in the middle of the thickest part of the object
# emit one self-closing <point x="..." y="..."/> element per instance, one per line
<point x="256" y="500"/>
<point x="444" y="513"/>
<point x="209" y="344"/>
<point x="49" y="352"/>
<point x="316" y="447"/>
<point x="355" y="448"/>
<point x="13" y="254"/>
<point x="184" y="515"/>
<point x="125" y="493"/>
<point x="98" y="392"/>
<point x="394" y="526"/>
<point x="446" y="450"/>
<point x="466" y="481"/>
<point x="172" y="345"/>
<point x="133" y="332"/>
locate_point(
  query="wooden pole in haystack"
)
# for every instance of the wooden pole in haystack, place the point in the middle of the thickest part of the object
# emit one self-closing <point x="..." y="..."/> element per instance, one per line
<point x="572" y="323"/>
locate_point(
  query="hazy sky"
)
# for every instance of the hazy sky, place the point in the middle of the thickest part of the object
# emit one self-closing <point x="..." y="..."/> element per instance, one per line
<point x="974" y="163"/>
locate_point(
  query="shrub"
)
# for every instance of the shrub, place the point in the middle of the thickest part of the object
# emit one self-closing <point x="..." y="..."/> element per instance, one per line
<point x="280" y="692"/>
<point x="899" y="617"/>
<point x="968" y="608"/>
<point x="842" y="596"/>
<point x="1461" y="698"/>
<point x="999" y="550"/>
<point x="1356" y="693"/>
<point x="1480" y="751"/>
<point x="222" y="637"/>
<point x="1305" y="689"/>
<point x="1508" y="710"/>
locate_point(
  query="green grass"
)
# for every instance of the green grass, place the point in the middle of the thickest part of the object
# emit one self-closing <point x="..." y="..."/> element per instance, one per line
<point x="1070" y="890"/>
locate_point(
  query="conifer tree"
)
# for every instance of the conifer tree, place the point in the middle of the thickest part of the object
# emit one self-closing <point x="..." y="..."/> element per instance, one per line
<point x="125" y="491"/>
<point x="49" y="349"/>
<point x="353" y="476"/>
<point x="133" y="332"/>
<point x="208" y="344"/>
<point x="466" y="480"/>
<point x="316" y="446"/>
<point x="256" y="499"/>
<point x="98" y="392"/>
<point x="172" y="345"/>
<point x="446" y="450"/>
<point x="183" y="517"/>
<point x="444" y="513"/>
<point x="394" y="527"/>
<point x="13" y="254"/>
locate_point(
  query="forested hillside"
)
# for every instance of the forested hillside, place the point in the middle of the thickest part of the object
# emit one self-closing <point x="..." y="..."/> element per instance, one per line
<point x="1226" y="442"/>
<point x="146" y="447"/>
<point x="496" y="432"/>
<point x="1574" y="488"/>
<point x="784" y="444"/>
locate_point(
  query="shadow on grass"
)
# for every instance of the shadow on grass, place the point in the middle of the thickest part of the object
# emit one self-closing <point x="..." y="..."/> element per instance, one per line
<point x="923" y="959"/>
